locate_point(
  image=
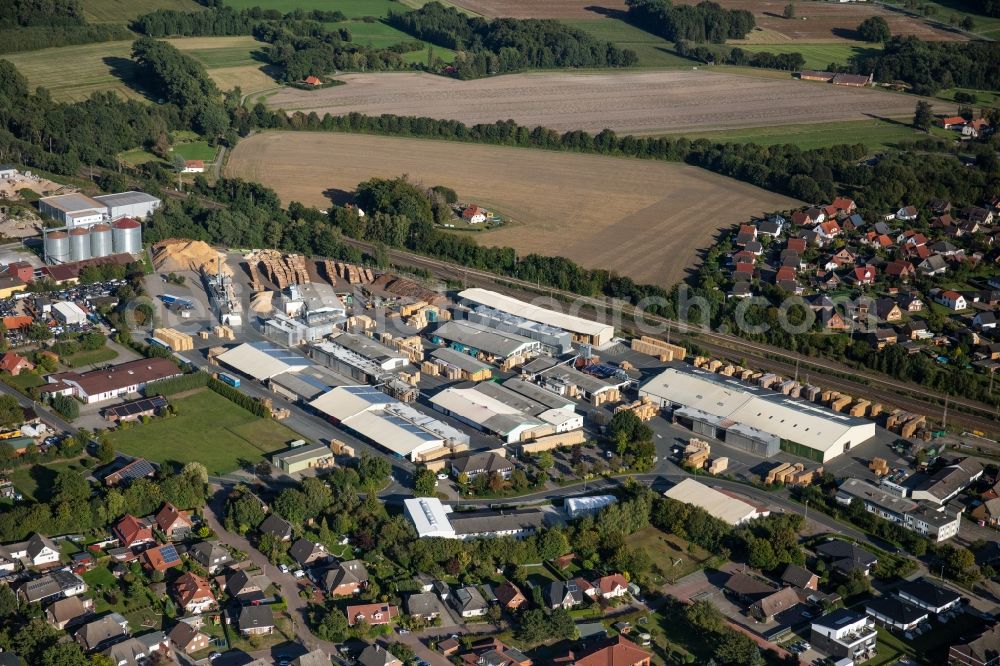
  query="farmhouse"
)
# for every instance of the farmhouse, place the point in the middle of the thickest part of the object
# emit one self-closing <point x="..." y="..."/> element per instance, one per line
<point x="718" y="504"/>
<point x="194" y="166"/>
<point x="583" y="330"/>
<point x="108" y="384"/>
<point x="853" y="80"/>
<point x="753" y="418"/>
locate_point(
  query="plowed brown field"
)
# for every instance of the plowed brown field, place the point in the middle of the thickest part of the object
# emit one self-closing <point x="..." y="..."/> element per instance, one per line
<point x="655" y="102"/>
<point x="643" y="219"/>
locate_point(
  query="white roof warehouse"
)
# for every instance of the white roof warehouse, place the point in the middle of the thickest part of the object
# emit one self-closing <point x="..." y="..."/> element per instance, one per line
<point x="718" y="504"/>
<point x="582" y="330"/>
<point x="728" y="405"/>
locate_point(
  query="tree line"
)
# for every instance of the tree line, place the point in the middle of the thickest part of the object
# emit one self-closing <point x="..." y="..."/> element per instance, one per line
<point x="789" y="62"/>
<point x="496" y="46"/>
<point x="932" y="66"/>
<point x="224" y="21"/>
<point x="704" y="22"/>
<point x="24" y="13"/>
<point x="27" y="25"/>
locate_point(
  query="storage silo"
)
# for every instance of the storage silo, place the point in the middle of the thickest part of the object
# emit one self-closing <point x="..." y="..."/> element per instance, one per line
<point x="57" y="247"/>
<point x="127" y="236"/>
<point x="79" y="243"/>
<point x="100" y="241"/>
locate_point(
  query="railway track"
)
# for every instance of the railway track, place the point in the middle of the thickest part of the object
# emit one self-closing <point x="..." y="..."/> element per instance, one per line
<point x="963" y="412"/>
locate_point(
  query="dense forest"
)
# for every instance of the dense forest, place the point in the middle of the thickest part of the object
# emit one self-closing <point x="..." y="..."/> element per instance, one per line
<point x="225" y="21"/>
<point x="989" y="7"/>
<point x="722" y="55"/>
<point x="932" y="66"/>
<point x="488" y="47"/>
<point x="704" y="22"/>
<point x="24" y="13"/>
<point x="26" y="25"/>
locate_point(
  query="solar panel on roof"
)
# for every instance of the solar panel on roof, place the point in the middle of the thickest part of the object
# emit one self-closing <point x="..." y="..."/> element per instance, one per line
<point x="138" y="470"/>
<point x="169" y="554"/>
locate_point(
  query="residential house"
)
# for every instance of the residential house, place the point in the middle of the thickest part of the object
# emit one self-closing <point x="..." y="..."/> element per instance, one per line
<point x="895" y="614"/>
<point x="800" y="577"/>
<point x="160" y="558"/>
<point x="976" y="129"/>
<point x="69" y="611"/>
<point x="827" y="231"/>
<point x="988" y="512"/>
<point x="939" y="206"/>
<point x="929" y="596"/>
<point x="193" y="593"/>
<point x="423" y="605"/>
<point x="306" y="552"/>
<point x="472" y="465"/>
<point x="951" y="300"/>
<point x="910" y="302"/>
<point x="952" y="122"/>
<point x="809" y="218"/>
<point x="985" y="321"/>
<point x="945" y="249"/>
<point x="907" y="213"/>
<point x="255" y="620"/>
<point x="376" y="655"/>
<point x="276" y="526"/>
<point x="138" y="468"/>
<point x="468" y="602"/>
<point x="371" y="614"/>
<point x="881" y="338"/>
<point x="864" y="275"/>
<point x="173" y="522"/>
<point x="747" y="589"/>
<point x="317" y="658"/>
<point x="494" y="652"/>
<point x="473" y="214"/>
<point x="245" y="587"/>
<point x="140" y="650"/>
<point x="131" y="531"/>
<point x="618" y="651"/>
<point x="188" y="638"/>
<point x="979" y="215"/>
<point x="886" y="309"/>
<point x="38" y="551"/>
<point x="612" y="587"/>
<point x="211" y="555"/>
<point x="510" y="596"/>
<point x="901" y="270"/>
<point x="771" y="227"/>
<point x="844" y="205"/>
<point x="983" y="650"/>
<point x="15" y="364"/>
<point x="845" y="557"/>
<point x="780" y="601"/>
<point x="563" y="594"/>
<point x="51" y="586"/>
<point x="346" y="578"/>
<point x="916" y="329"/>
<point x="933" y="265"/>
<point x="844" y="634"/>
<point x="102" y="632"/>
<point x="945" y="484"/>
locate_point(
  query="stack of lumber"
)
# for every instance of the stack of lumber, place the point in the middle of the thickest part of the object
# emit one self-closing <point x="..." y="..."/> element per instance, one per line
<point x="175" y="339"/>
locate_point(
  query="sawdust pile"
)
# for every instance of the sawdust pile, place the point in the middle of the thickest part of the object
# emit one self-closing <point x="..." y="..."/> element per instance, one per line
<point x="175" y="254"/>
<point x="262" y="301"/>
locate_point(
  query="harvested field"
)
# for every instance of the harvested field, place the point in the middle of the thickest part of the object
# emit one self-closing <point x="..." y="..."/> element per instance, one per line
<point x="814" y="22"/>
<point x="641" y="218"/>
<point x="627" y="102"/>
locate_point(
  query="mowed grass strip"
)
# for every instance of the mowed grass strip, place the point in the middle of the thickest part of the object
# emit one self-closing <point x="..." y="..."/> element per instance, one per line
<point x="208" y="429"/>
<point x="123" y="11"/>
<point x="218" y="52"/>
<point x="874" y="134"/>
<point x="817" y="56"/>
<point x="653" y="51"/>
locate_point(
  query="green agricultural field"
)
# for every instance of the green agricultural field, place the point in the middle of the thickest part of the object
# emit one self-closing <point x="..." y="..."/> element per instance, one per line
<point x="123" y="11"/>
<point x="378" y="35"/>
<point x="986" y="97"/>
<point x="672" y="557"/>
<point x="944" y="10"/>
<point x="73" y="73"/>
<point x="209" y="429"/>
<point x="220" y="52"/>
<point x="653" y="51"/>
<point x="875" y="134"/>
<point x="818" y="56"/>
<point x="350" y="8"/>
<point x="196" y="150"/>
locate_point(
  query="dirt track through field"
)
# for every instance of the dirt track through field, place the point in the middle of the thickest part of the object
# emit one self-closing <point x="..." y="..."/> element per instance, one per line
<point x="656" y="102"/>
<point x="640" y="218"/>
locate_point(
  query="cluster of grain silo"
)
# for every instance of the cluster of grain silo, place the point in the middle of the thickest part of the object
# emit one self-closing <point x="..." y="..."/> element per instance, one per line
<point x="94" y="241"/>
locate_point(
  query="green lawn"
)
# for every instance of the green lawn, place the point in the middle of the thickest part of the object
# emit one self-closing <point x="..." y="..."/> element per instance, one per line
<point x="673" y="557"/>
<point x="138" y="156"/>
<point x="350" y="8"/>
<point x="196" y="150"/>
<point x="986" y="97"/>
<point x="35" y="481"/>
<point x="378" y="35"/>
<point x="208" y="429"/>
<point x="817" y="56"/>
<point x="89" y="357"/>
<point x="539" y="574"/>
<point x="653" y="51"/>
<point x="123" y="11"/>
<point x="24" y="381"/>
<point x="875" y="134"/>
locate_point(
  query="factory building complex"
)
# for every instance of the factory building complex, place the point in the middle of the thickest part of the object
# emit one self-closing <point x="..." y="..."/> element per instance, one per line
<point x="95" y="227"/>
<point x="754" y="419"/>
